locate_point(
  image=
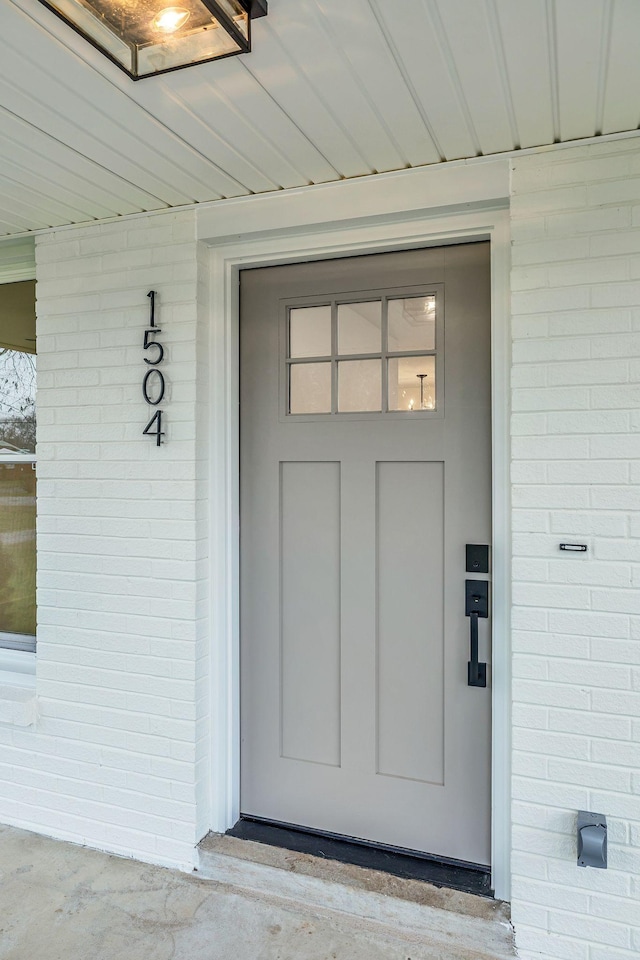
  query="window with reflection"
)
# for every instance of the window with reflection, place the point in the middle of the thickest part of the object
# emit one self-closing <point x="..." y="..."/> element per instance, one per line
<point x="363" y="356"/>
<point x="17" y="467"/>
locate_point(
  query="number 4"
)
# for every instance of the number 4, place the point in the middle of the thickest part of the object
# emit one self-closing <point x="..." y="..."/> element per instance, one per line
<point x="158" y="433"/>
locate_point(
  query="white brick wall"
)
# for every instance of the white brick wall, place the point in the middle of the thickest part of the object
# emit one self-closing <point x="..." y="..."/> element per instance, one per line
<point x="576" y="624"/>
<point x="120" y="754"/>
<point x="119" y="758"/>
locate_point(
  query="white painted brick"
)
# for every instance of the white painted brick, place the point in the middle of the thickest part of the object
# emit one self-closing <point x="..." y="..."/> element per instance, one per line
<point x="551" y="744"/>
<point x="614" y="191"/>
<point x="536" y="943"/>
<point x="524" y="230"/>
<point x="553" y="895"/>
<point x="616" y="446"/>
<point x="528" y="424"/>
<point x="590" y="725"/>
<point x="588" y="271"/>
<point x="540" y="202"/>
<point x="587" y="571"/>
<point x="576" y="448"/>
<point x="593" y="929"/>
<point x="117" y="708"/>
<point x="551" y="497"/>
<point x="612" y="953"/>
<point x="530" y="569"/>
<point x="563" y="298"/>
<point x="529" y="619"/>
<point x="529" y="765"/>
<point x="588" y="471"/>
<point x="585" y="322"/>
<point x="530" y="278"/>
<point x="529" y="667"/>
<point x="588" y="447"/>
<point x="580" y="170"/>
<point x="588" y="221"/>
<point x="626" y="754"/>
<point x="529" y="375"/>
<point x="549" y="448"/>
<point x="527" y="913"/>
<point x="616" y="295"/>
<point x="551" y="694"/>
<point x="589" y="371"/>
<point x="552" y="398"/>
<point x="616" y="702"/>
<point x="619" y="650"/>
<point x="618" y="397"/>
<point x="613" y="676"/>
<point x="551" y="251"/>
<point x="549" y="644"/>
<point x="533" y="521"/>
<point x="525" y="715"/>
<point x="620" y="242"/>
<point x="529" y="327"/>
<point x="588" y="623"/>
<point x="620" y="601"/>
<point x="589" y="422"/>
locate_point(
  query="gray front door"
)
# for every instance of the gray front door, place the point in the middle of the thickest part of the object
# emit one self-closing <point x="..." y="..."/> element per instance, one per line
<point x="365" y="469"/>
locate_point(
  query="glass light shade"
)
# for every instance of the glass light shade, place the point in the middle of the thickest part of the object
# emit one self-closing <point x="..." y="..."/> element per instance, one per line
<point x="146" y="37"/>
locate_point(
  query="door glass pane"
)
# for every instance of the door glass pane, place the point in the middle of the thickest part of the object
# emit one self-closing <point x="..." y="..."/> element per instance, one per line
<point x="310" y="331"/>
<point x="412" y="383"/>
<point x="412" y="324"/>
<point x="359" y="326"/>
<point x="310" y="388"/>
<point x="359" y="386"/>
<point x="17" y="549"/>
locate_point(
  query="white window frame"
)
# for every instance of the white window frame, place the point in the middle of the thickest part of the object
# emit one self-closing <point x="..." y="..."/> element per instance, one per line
<point x="17" y="263"/>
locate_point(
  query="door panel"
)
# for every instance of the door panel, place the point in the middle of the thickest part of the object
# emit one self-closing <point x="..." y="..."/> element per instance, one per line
<point x="410" y="499"/>
<point x="356" y="717"/>
<point x="310" y="611"/>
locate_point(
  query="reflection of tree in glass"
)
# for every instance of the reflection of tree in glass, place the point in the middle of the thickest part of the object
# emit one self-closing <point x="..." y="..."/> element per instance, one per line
<point x="17" y="399"/>
<point x="17" y="548"/>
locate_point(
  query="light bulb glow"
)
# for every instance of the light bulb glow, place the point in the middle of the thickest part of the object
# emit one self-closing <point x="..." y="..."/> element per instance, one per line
<point x="171" y="19"/>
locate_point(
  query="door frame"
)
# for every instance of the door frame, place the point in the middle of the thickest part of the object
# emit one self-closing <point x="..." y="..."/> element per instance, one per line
<point x="226" y="257"/>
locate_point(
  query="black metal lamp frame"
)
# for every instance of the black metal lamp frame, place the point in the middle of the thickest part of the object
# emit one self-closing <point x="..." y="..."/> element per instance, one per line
<point x="255" y="9"/>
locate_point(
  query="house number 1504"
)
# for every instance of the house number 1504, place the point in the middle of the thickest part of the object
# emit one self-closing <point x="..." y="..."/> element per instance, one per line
<point x="153" y="384"/>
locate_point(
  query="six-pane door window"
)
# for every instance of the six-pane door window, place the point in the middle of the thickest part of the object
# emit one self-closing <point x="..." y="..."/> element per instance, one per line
<point x="369" y="356"/>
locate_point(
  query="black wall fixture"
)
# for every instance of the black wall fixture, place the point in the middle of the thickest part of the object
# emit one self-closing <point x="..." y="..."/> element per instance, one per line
<point x="148" y="37"/>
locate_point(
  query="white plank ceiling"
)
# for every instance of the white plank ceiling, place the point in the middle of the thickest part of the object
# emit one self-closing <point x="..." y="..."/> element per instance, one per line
<point x="333" y="89"/>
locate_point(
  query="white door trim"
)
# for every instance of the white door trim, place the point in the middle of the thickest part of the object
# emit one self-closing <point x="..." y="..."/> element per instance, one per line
<point x="227" y="258"/>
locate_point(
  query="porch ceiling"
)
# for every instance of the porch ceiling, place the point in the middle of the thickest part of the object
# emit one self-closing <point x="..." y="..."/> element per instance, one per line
<point x="333" y="89"/>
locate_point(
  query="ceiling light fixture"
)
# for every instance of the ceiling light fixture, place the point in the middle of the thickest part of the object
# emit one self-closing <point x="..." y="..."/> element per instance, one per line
<point x="144" y="37"/>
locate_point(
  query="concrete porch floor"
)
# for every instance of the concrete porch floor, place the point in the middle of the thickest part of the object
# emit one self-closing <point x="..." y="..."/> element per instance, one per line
<point x="59" y="901"/>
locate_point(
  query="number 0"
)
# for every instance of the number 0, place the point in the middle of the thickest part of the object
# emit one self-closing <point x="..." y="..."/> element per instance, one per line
<point x="160" y="387"/>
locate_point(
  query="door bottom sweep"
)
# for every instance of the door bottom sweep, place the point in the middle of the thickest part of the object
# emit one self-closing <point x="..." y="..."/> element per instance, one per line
<point x="442" y="872"/>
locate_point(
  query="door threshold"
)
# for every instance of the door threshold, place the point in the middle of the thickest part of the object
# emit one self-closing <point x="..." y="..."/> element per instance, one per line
<point x="410" y="864"/>
<point x="358" y="901"/>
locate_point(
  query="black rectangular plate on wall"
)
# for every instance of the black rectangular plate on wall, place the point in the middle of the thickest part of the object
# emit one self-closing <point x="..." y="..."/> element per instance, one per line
<point x="442" y="872"/>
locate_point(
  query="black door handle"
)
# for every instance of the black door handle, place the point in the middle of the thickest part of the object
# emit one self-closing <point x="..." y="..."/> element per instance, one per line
<point x="476" y="606"/>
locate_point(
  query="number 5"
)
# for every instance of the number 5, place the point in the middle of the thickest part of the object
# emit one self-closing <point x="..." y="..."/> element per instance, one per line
<point x="153" y="343"/>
